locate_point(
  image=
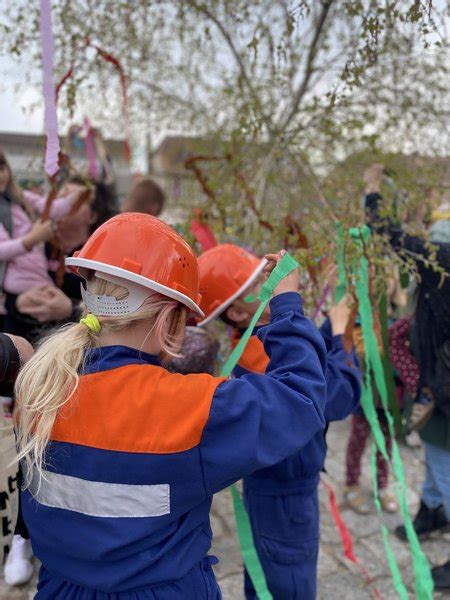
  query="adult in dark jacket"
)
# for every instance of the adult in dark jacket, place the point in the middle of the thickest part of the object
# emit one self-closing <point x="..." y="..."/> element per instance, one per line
<point x="14" y="352"/>
<point x="430" y="344"/>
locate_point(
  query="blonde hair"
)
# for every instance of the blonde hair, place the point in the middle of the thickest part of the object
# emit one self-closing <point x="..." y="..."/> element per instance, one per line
<point x="49" y="380"/>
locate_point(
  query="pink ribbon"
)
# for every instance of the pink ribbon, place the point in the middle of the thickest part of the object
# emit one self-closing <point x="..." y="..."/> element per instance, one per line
<point x="91" y="155"/>
<point x="347" y="540"/>
<point x="50" y="118"/>
<point x="322" y="300"/>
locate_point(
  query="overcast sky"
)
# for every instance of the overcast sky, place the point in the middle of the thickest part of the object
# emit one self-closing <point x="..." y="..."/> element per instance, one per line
<point x="22" y="110"/>
<point x="12" y="115"/>
<point x="15" y="107"/>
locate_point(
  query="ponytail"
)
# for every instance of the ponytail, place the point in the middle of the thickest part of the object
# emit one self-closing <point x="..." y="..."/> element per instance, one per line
<point x="43" y="386"/>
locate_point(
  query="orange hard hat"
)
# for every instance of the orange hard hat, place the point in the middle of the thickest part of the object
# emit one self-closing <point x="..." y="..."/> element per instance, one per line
<point x="140" y="251"/>
<point x="226" y="271"/>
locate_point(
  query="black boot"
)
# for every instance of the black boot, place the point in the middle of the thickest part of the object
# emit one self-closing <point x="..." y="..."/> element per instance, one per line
<point x="441" y="576"/>
<point x="426" y="521"/>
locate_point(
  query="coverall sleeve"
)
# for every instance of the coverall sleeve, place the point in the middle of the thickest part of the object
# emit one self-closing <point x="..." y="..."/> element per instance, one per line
<point x="327" y="334"/>
<point x="258" y="420"/>
<point x="343" y="381"/>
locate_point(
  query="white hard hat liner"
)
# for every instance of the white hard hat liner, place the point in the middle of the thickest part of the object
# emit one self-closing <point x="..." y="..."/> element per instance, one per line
<point x="109" y="306"/>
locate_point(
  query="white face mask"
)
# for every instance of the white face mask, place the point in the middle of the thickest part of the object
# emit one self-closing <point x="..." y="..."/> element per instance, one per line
<point x="109" y="306"/>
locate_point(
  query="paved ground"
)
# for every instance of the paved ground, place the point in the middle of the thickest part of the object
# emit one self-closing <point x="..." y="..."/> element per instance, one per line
<point x="337" y="577"/>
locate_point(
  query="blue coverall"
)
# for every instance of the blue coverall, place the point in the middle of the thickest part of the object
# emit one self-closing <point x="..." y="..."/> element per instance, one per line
<point x="282" y="500"/>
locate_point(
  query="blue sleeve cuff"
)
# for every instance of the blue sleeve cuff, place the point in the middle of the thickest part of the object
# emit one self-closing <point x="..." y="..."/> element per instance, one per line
<point x="325" y="329"/>
<point x="337" y="342"/>
<point x="287" y="302"/>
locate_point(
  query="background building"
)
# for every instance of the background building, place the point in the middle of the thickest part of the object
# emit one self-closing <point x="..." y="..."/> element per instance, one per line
<point x="25" y="152"/>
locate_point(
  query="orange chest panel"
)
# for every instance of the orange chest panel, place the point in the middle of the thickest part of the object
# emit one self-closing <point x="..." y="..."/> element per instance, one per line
<point x="137" y="408"/>
<point x="254" y="357"/>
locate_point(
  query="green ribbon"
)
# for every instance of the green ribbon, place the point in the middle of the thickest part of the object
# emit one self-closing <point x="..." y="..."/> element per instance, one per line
<point x="244" y="530"/>
<point x="248" y="550"/>
<point x="374" y="368"/>
<point x="388" y="370"/>
<point x="404" y="278"/>
<point x="250" y="298"/>
<point x="341" y="286"/>
<point x="399" y="586"/>
<point x="283" y="268"/>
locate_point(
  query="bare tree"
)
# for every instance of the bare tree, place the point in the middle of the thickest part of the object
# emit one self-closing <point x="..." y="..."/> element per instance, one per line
<point x="286" y="89"/>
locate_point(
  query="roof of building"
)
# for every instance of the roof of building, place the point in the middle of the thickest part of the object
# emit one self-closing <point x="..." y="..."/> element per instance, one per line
<point x="36" y="140"/>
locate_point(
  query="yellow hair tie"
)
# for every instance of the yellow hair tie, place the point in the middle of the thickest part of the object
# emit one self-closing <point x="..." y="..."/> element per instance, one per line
<point x="92" y="323"/>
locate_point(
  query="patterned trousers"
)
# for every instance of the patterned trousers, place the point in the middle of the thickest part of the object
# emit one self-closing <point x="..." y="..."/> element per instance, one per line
<point x="355" y="449"/>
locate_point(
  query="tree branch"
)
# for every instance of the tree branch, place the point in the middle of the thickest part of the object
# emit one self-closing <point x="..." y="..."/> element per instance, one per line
<point x="309" y="67"/>
<point x="154" y="87"/>
<point x="242" y="68"/>
<point x="227" y="37"/>
<point x="309" y="174"/>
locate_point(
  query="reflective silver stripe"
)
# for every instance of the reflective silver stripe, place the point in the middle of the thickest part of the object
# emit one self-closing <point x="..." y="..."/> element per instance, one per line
<point x="99" y="499"/>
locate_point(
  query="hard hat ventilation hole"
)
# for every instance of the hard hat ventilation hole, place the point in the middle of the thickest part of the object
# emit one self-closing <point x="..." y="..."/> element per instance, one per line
<point x="184" y="262"/>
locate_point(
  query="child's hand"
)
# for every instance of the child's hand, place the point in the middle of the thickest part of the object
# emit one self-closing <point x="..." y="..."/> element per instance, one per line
<point x="339" y="315"/>
<point x="40" y="232"/>
<point x="290" y="283"/>
<point x="45" y="303"/>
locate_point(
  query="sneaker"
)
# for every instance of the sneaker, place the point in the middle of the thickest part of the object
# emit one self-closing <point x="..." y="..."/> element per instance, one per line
<point x="425" y="522"/>
<point x="18" y="568"/>
<point x="388" y="501"/>
<point x="356" y="500"/>
<point x="441" y="576"/>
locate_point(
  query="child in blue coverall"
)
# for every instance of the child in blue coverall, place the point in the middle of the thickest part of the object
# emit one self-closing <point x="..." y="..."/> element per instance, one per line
<point x="122" y="457"/>
<point x="282" y="500"/>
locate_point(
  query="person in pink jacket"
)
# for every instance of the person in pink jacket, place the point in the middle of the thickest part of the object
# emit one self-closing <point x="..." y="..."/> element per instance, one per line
<point x="23" y="263"/>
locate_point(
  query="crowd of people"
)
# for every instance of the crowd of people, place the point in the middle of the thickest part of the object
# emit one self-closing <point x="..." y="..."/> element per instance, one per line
<point x="124" y="429"/>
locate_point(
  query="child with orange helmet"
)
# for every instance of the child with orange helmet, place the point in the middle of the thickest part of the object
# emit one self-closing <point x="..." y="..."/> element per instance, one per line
<point x="121" y="457"/>
<point x="281" y="499"/>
